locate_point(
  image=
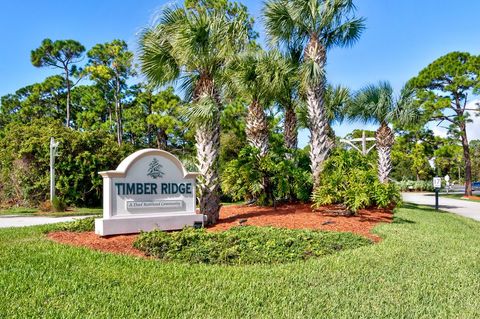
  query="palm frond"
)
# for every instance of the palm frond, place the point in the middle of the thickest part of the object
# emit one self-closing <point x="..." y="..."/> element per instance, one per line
<point x="337" y="99"/>
<point x="311" y="74"/>
<point x="259" y="75"/>
<point x="156" y="60"/>
<point x="377" y="103"/>
<point x="187" y="85"/>
<point x="280" y="22"/>
<point x="346" y="34"/>
<point x="407" y="114"/>
<point x="203" y="112"/>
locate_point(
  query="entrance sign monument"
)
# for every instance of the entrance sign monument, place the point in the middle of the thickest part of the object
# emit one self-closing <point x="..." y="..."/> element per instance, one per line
<point x="150" y="189"/>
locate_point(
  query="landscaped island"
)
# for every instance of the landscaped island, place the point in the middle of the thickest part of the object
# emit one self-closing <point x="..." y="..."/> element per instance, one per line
<point x="286" y="233"/>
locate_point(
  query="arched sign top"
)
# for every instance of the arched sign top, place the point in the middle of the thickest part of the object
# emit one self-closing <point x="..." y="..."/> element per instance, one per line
<point x="129" y="161"/>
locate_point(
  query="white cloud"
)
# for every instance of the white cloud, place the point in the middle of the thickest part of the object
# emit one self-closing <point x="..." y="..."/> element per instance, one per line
<point x="438" y="131"/>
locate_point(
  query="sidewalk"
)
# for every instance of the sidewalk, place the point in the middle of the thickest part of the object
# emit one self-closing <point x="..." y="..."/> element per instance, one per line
<point x="464" y="208"/>
<point x="22" y="221"/>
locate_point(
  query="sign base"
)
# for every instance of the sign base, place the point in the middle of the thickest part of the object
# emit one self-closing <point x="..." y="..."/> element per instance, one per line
<point x="137" y="224"/>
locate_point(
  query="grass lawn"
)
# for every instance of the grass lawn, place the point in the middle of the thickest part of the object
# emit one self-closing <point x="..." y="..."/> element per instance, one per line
<point x="18" y="211"/>
<point x="428" y="266"/>
<point x="23" y="211"/>
<point x="458" y="196"/>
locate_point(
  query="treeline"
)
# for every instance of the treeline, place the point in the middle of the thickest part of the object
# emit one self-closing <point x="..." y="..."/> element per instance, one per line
<point x="420" y="155"/>
<point x="97" y="96"/>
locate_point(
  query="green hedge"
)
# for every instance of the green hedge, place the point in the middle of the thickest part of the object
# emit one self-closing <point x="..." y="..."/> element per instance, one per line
<point x="24" y="163"/>
<point x="417" y="186"/>
<point x="77" y="226"/>
<point x="245" y="245"/>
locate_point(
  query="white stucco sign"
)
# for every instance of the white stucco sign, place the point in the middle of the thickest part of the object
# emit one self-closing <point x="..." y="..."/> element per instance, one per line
<point x="150" y="189"/>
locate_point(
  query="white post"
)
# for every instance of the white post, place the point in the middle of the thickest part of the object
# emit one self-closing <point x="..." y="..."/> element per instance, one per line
<point x="53" y="153"/>
<point x="364" y="144"/>
<point x="363" y="140"/>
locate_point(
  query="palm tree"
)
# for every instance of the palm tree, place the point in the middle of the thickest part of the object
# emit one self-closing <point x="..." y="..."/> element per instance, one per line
<point x="337" y="98"/>
<point x="320" y="25"/>
<point x="336" y="101"/>
<point x="288" y="97"/>
<point x="377" y="103"/>
<point x="257" y="76"/>
<point x="193" y="45"/>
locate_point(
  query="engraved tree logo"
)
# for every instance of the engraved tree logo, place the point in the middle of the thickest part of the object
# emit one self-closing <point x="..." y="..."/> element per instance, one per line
<point x="155" y="169"/>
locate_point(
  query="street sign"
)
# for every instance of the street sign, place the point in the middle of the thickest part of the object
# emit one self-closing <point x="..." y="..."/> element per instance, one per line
<point x="447" y="178"/>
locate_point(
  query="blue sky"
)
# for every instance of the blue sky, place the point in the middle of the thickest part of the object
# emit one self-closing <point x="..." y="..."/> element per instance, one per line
<point x="401" y="37"/>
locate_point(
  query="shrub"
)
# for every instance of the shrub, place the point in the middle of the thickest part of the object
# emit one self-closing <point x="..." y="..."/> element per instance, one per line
<point x="58" y="204"/>
<point x="244" y="245"/>
<point x="386" y="195"/>
<point x="78" y="226"/>
<point x="45" y="206"/>
<point x="24" y="163"/>
<point x="417" y="186"/>
<point x="243" y="178"/>
<point x="350" y="179"/>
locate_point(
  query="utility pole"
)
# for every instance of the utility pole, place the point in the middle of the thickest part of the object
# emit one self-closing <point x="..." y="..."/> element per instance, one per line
<point x="53" y="154"/>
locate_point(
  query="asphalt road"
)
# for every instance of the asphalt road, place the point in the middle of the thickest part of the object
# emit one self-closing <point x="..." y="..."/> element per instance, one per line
<point x="465" y="208"/>
<point x="22" y="221"/>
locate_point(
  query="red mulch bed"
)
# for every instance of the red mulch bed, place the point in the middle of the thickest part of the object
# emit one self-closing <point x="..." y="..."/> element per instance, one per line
<point x="471" y="197"/>
<point x="120" y="244"/>
<point x="295" y="216"/>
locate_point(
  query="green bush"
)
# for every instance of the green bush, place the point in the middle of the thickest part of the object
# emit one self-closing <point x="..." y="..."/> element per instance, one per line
<point x="289" y="179"/>
<point x="58" y="204"/>
<point x="24" y="163"/>
<point x="245" y="245"/>
<point x="417" y="186"/>
<point x="350" y="179"/>
<point x="78" y="226"/>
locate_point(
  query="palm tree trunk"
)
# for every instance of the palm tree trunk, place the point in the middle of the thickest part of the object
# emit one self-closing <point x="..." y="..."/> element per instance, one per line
<point x="257" y="136"/>
<point x="290" y="129"/>
<point x="331" y="137"/>
<point x="207" y="136"/>
<point x="317" y="119"/>
<point x="257" y="128"/>
<point x="384" y="140"/>
<point x="208" y="143"/>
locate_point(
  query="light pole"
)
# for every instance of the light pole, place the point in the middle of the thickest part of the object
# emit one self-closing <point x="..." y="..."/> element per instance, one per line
<point x="53" y="153"/>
